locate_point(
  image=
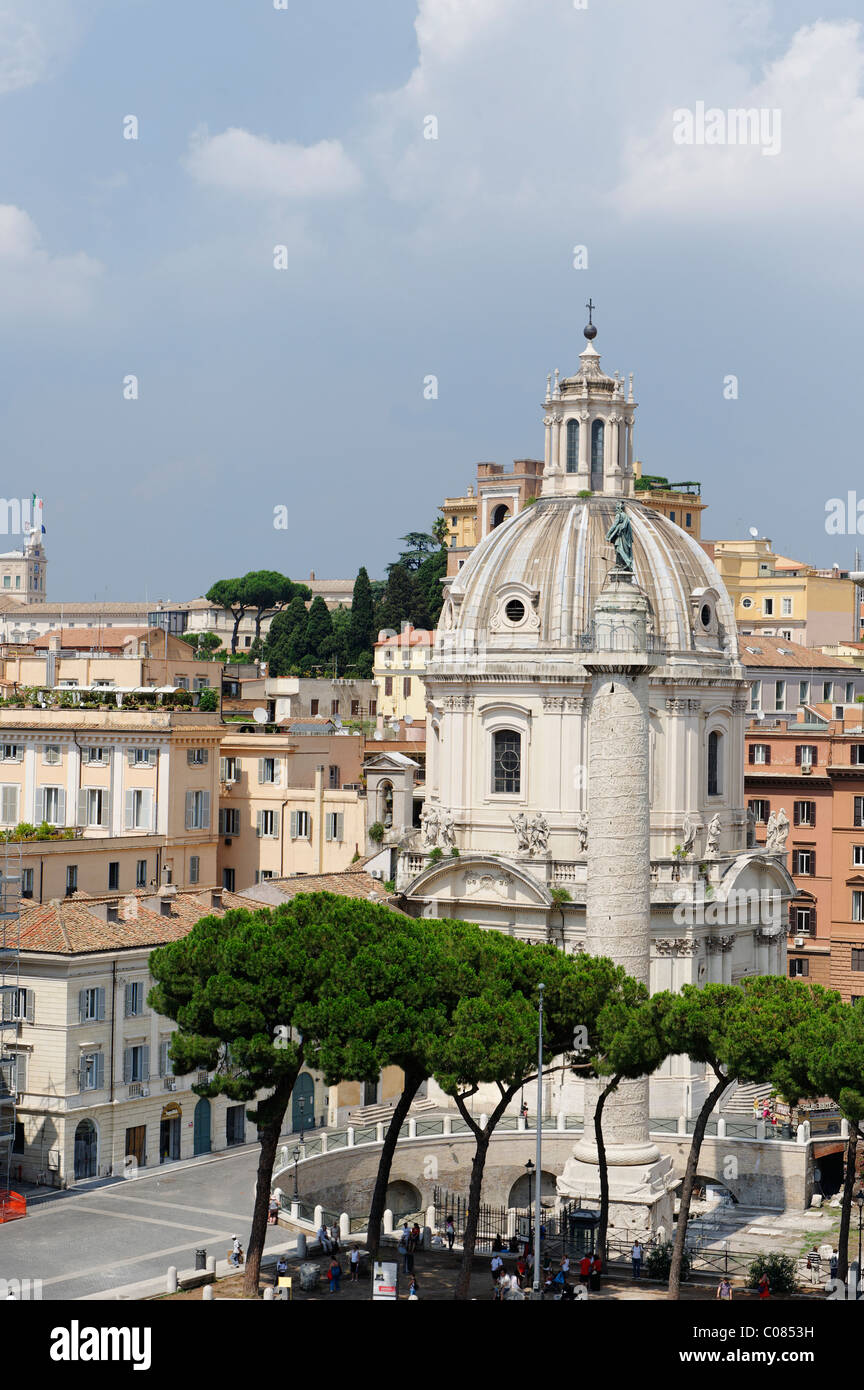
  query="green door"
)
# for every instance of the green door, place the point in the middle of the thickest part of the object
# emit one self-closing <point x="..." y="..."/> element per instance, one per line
<point x="202" y="1126"/>
<point x="302" y="1099"/>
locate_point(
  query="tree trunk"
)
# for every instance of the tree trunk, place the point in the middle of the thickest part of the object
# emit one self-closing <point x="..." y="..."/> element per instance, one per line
<point x="603" y="1167"/>
<point x="385" y="1162"/>
<point x="237" y="620"/>
<point x="846" y="1205"/>
<point x="266" y="1162"/>
<point x="687" y="1189"/>
<point x="469" y="1239"/>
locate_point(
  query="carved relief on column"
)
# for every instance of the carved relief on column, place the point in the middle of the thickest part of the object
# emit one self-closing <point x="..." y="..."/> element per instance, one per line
<point x="677" y="706"/>
<point x="458" y="702"/>
<point x="719" y="945"/>
<point x="739" y="706"/>
<point x="676" y="946"/>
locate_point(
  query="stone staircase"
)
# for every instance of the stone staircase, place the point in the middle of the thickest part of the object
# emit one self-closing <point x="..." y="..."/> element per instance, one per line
<point x="738" y="1099"/>
<point x="383" y="1114"/>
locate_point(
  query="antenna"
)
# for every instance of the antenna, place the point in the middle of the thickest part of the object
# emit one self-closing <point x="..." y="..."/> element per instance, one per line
<point x="259" y="714"/>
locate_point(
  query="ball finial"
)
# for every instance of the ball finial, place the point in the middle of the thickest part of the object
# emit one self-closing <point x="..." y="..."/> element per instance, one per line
<point x="589" y="330"/>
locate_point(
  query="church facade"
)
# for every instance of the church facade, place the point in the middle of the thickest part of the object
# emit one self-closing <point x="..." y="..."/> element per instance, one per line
<point x="508" y="796"/>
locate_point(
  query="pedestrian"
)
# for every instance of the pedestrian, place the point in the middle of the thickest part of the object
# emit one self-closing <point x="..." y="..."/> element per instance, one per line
<point x="497" y="1243"/>
<point x="405" y="1251"/>
<point x="334" y="1274"/>
<point x="565" y="1264"/>
<point x="324" y="1238"/>
<point x="585" y="1268"/>
<point x="764" y="1287"/>
<point x="596" y="1271"/>
<point x="450" y="1232"/>
<point x="521" y="1270"/>
<point x="636" y="1257"/>
<point x="755" y="1107"/>
<point x="334" y="1238"/>
<point x="281" y="1266"/>
<point x="497" y="1269"/>
<point x="355" y="1264"/>
<point x="273" y="1214"/>
<point x="415" y="1236"/>
<point x="523" y="1110"/>
<point x="413" y="1291"/>
<point x="236" y="1252"/>
<point x="724" y="1289"/>
<point x="833" y="1263"/>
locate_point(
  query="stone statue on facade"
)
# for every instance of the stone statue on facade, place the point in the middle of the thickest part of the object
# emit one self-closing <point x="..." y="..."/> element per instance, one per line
<point x="520" y="825"/>
<point x="691" y="830"/>
<point x="712" y="847"/>
<point x="429" y="825"/>
<point x="446" y="830"/>
<point x="778" y="832"/>
<point x="751" y="827"/>
<point x="620" y="535"/>
<point x="581" y="828"/>
<point x="538" y="834"/>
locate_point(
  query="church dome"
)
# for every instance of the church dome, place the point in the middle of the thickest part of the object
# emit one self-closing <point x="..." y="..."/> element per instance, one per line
<point x="532" y="583"/>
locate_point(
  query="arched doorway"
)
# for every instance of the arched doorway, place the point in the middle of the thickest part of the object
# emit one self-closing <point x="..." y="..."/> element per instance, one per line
<point x="201" y="1127"/>
<point x="86" y="1146"/>
<point x="403" y="1200"/>
<point x="522" y="1191"/>
<point x="169" y="1133"/>
<point x="385" y="803"/>
<point x="303" y="1104"/>
<point x="499" y="515"/>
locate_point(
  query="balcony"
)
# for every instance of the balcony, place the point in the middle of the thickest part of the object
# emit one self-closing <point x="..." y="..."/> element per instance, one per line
<point x="138" y="1089"/>
<point x="169" y="1083"/>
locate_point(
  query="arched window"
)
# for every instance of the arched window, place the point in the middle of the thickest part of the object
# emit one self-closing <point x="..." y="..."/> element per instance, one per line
<point x="715" y="763"/>
<point x="500" y="514"/>
<point x="598" y="430"/>
<point x="507" y="761"/>
<point x="572" y="446"/>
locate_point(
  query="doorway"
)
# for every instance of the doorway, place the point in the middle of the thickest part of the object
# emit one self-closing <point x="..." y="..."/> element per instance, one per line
<point x="86" y="1143"/>
<point x="169" y="1135"/>
<point x="136" y="1139"/>
<point x="302" y="1104"/>
<point x="235" y="1124"/>
<point x="202" y="1127"/>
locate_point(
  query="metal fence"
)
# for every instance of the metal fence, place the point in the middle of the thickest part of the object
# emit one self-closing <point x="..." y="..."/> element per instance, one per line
<point x="514" y="1225"/>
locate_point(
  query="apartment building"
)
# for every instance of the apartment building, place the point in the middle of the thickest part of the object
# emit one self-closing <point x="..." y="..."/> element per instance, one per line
<point x="117" y="663"/>
<point x="289" y="804"/>
<point x="398" y="670"/>
<point x="812" y="768"/>
<point x="296" y="697"/>
<point x="774" y="596"/>
<point x="123" y="799"/>
<point x="785" y="676"/>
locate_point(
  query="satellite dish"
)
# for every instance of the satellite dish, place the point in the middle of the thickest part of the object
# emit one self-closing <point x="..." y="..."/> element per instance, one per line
<point x="378" y="736"/>
<point x="409" y="719"/>
<point x="260" y="715"/>
<point x="754" y="531"/>
<point x="337" y="723"/>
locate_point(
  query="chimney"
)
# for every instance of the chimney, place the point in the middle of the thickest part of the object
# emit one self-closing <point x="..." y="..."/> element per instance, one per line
<point x="165" y="907"/>
<point x="106" y="912"/>
<point x="216" y="897"/>
<point x="55" y="642"/>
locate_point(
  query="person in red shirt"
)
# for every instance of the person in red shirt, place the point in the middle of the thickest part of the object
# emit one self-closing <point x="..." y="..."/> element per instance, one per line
<point x="596" y="1271"/>
<point x="585" y="1268"/>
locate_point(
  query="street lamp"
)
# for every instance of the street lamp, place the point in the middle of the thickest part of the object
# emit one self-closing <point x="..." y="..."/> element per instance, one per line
<point x="860" y="1200"/>
<point x="296" y="1157"/>
<point x="301" y="1105"/>
<point x="539" y="1122"/>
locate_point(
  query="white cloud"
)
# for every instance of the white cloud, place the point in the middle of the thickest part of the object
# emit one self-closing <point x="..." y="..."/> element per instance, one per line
<point x="240" y="162"/>
<point x="34" y="36"/>
<point x="33" y="283"/>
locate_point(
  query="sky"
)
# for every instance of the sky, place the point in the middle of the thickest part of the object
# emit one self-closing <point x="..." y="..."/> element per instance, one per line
<point x="239" y="310"/>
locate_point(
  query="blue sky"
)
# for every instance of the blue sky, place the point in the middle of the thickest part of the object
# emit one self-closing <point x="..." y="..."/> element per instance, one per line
<point x="304" y="127"/>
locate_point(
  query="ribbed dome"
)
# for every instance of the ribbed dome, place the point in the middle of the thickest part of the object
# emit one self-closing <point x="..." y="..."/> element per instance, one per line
<point x="556" y="552"/>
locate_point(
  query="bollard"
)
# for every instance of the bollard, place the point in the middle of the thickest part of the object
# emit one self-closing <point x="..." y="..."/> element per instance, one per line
<point x="388" y="1222"/>
<point x="448" y="1124"/>
<point x="171" y="1281"/>
<point x="521" y="1124"/>
<point x="207" y="1292"/>
<point x="561" y="1122"/>
<point x="268" y="1294"/>
<point x="412" y="1127"/>
<point x="426" y="1238"/>
<point x="721" y="1128"/>
<point x="318" y="1218"/>
<point x="760" y="1129"/>
<point x="379" y="1132"/>
<point x="682" y="1124"/>
<point x="344" y="1225"/>
<point x="430" y="1216"/>
<point x="201" y="1259"/>
<point x="301" y="1246"/>
<point x="211" y="1264"/>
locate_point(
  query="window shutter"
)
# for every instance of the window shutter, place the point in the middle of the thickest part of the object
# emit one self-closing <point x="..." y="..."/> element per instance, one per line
<point x="261" y="771"/>
<point x="190" y="805"/>
<point x="259" y="823"/>
<point x="129" y="813"/>
<point x="205" y="810"/>
<point x="82" y="806"/>
<point x="10" y="804"/>
<point x="145" y="1063"/>
<point x="277" y="772"/>
<point x="798" y="755"/>
<point x="190" y="757"/>
<point x="294" y="831"/>
<point x="127" y="1008"/>
<point x="275" y="831"/>
<point x="814" y="755"/>
<point x="329" y="823"/>
<point x="20" y="1071"/>
<point x="812" y="862"/>
<point x="767" y="754"/>
<point x="81" y="994"/>
<point x="61" y="806"/>
<point x="147" y="808"/>
<point x="340" y="823"/>
<point x="100" y="1003"/>
<point x="105" y="813"/>
<point x="223" y="769"/>
<point x="751" y="753"/>
<point x="5" y="1006"/>
<point x="100" y="1071"/>
<point x="40" y="805"/>
<point x="82" y="1070"/>
<point x="163" y="1058"/>
<point x="127" y="1064"/>
<point x="29" y="1005"/>
<point x="130" y="756"/>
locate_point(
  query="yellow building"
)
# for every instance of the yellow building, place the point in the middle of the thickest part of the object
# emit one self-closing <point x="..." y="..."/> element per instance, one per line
<point x="778" y="597"/>
<point x="680" y="502"/>
<point x="399" y="667"/>
<point x="128" y="796"/>
<point x="115" y="663"/>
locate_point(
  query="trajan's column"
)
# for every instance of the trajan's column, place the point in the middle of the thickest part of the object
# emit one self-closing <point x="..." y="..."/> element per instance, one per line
<point x="618" y="900"/>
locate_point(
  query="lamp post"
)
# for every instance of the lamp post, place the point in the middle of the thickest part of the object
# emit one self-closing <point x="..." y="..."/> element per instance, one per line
<point x="301" y="1105"/>
<point x="860" y="1200"/>
<point x="296" y="1157"/>
<point x="539" y="1121"/>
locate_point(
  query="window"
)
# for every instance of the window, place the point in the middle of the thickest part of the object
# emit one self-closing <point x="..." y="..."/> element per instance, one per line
<point x="268" y="771"/>
<point x="806" y="754"/>
<point x="97" y="755"/>
<point x="856" y="754"/>
<point x="802" y="921"/>
<point x="13" y="752"/>
<point x="373" y="708"/>
<point x="313" y="707"/>
<point x="572" y="446"/>
<point x="19" y="1006"/>
<point x="857" y="906"/>
<point x="142" y="757"/>
<point x="201" y="683"/>
<point x="261" y="875"/>
<point x="746" y="603"/>
<point x="804" y="862"/>
<point x="301" y="825"/>
<point x="850" y="692"/>
<point x="91" y="1071"/>
<point x="755" y="695"/>
<point x="71" y="879"/>
<point x="768" y="607"/>
<point x="26" y="883"/>
<point x="598" y="433"/>
<point x="857" y="961"/>
<point x="182" y="683"/>
<point x="94" y="806"/>
<point x="334" y="707"/>
<point x="113" y="875"/>
<point x="779" y="695"/>
<point x="10" y="794"/>
<point x="715" y="763"/>
<point x="229" y="821"/>
<point x="797" y="968"/>
<point x="671" y="516"/>
<point x="333" y="825"/>
<point x="507" y="761"/>
<point x="858" y="813"/>
<point x="268" y="825"/>
<point x="786" y="607"/>
<point x="136" y="1063"/>
<point x="229" y="770"/>
<point x="166" y="1066"/>
<point x="228" y="880"/>
<point x="334" y="777"/>
<point x="827" y="691"/>
<point x="51" y="754"/>
<point x="141" y="874"/>
<point x="91" y="1005"/>
<point x="134" y="1004"/>
<point x="760" y="753"/>
<point x="761" y="810"/>
<point x="688" y="518"/>
<point x="194" y="868"/>
<point x="804" y="813"/>
<point x="7" y="581"/>
<point x="803" y="692"/>
<point x="355" y="707"/>
<point x="406" y="686"/>
<point x="51" y="805"/>
<point x="197" y="757"/>
<point x="388" y="685"/>
<point x="197" y="810"/>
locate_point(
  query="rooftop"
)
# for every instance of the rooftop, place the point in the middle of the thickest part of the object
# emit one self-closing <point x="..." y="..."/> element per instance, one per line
<point x="757" y="651"/>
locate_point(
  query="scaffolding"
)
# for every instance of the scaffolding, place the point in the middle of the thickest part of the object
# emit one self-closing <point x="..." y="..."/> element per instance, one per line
<point x="12" y="1011"/>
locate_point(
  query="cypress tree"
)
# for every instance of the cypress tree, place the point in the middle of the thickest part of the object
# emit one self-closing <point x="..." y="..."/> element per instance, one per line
<point x="362" y="631"/>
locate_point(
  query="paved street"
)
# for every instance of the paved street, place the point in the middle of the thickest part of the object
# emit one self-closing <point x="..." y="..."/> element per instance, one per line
<point x="120" y="1233"/>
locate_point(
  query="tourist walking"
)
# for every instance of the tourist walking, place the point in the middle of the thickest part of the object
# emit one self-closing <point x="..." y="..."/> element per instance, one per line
<point x="724" y="1289"/>
<point x="236" y="1252"/>
<point x="636" y="1256"/>
<point x="596" y="1271"/>
<point x="450" y="1232"/>
<point x="405" y="1251"/>
<point x="585" y="1268"/>
<point x="273" y="1213"/>
<point x="334" y="1274"/>
<point x="764" y="1287"/>
<point x="354" y="1260"/>
<point x="414" y="1239"/>
<point x="496" y="1269"/>
<point x="413" y="1292"/>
